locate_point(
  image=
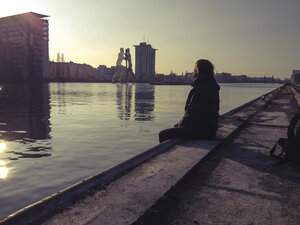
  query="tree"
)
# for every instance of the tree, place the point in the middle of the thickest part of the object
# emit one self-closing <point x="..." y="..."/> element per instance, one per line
<point x="58" y="57"/>
<point x="62" y="57"/>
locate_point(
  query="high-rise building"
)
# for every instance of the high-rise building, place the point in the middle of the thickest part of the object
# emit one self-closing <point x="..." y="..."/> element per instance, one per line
<point x="144" y="61"/>
<point x="24" y="53"/>
<point x="296" y="76"/>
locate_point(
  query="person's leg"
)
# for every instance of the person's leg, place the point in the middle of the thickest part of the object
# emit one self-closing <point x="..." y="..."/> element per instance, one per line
<point x="184" y="133"/>
<point x="130" y="75"/>
<point x="117" y="75"/>
<point x="133" y="77"/>
<point x="123" y="72"/>
<point x="114" y="79"/>
<point x="176" y="132"/>
<point x="126" y="76"/>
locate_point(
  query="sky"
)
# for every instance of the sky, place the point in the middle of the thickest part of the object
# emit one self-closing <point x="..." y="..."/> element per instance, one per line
<point x="252" y="37"/>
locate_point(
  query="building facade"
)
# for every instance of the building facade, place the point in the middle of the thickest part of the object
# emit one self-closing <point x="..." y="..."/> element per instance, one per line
<point x="70" y="71"/>
<point x="223" y="77"/>
<point x="104" y="73"/>
<point x="296" y="76"/>
<point x="24" y="53"/>
<point x="144" y="61"/>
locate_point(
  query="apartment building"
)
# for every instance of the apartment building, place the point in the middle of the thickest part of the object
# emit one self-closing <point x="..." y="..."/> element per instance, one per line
<point x="144" y="61"/>
<point x="24" y="53"/>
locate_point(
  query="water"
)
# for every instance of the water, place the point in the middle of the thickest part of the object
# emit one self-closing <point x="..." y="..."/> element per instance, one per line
<point x="54" y="135"/>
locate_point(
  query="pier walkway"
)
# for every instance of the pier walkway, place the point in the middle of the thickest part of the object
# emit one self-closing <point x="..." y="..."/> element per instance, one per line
<point x="239" y="183"/>
<point x="228" y="180"/>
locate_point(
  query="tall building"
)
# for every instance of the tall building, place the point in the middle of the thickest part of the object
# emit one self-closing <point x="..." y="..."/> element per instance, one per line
<point x="144" y="61"/>
<point x="24" y="53"/>
<point x="296" y="76"/>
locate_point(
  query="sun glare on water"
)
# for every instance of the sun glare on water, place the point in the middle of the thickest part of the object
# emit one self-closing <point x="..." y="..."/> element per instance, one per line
<point x="3" y="170"/>
<point x="2" y="146"/>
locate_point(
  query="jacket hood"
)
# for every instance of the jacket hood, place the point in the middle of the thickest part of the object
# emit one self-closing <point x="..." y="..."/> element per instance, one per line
<point x="208" y="81"/>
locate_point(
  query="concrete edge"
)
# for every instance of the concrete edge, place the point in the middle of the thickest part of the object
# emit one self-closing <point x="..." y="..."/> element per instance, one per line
<point x="296" y="90"/>
<point x="154" y="216"/>
<point x="47" y="207"/>
<point x="229" y="113"/>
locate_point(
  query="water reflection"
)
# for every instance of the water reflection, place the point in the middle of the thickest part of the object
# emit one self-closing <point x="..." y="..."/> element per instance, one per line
<point x="3" y="170"/>
<point x="60" y="95"/>
<point x="124" y="98"/>
<point x="64" y="94"/>
<point x="144" y="102"/>
<point x="2" y="146"/>
<point x="24" y="115"/>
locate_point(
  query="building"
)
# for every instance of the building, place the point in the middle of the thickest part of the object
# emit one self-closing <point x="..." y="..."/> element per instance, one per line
<point x="189" y="76"/>
<point x="105" y="73"/>
<point x="296" y="76"/>
<point x="144" y="61"/>
<point x="240" y="79"/>
<point x="223" y="77"/>
<point x="24" y="53"/>
<point x="70" y="71"/>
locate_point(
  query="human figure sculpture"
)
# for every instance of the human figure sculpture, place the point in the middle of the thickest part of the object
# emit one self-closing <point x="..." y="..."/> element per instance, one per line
<point x="119" y="68"/>
<point x="129" y="71"/>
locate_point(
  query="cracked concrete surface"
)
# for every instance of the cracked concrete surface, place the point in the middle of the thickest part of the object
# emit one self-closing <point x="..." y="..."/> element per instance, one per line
<point x="239" y="183"/>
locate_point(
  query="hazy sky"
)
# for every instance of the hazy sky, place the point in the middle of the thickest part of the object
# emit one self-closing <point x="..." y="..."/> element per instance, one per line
<point x="253" y="37"/>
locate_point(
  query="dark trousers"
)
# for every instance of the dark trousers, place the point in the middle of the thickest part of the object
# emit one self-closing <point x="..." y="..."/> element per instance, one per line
<point x="185" y="133"/>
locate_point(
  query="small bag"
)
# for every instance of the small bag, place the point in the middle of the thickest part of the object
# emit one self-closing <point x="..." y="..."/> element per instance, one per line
<point x="290" y="146"/>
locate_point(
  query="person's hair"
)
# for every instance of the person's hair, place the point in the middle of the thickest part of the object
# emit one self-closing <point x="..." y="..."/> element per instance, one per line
<point x="127" y="50"/>
<point x="205" y="67"/>
<point x="121" y="49"/>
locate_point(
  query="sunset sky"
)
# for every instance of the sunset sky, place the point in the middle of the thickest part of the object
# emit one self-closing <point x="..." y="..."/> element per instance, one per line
<point x="253" y="37"/>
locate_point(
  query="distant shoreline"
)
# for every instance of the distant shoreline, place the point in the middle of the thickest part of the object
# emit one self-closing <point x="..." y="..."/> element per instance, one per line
<point x="150" y="82"/>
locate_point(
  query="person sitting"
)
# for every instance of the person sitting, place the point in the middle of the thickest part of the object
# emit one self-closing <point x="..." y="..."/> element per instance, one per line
<point x="200" y="120"/>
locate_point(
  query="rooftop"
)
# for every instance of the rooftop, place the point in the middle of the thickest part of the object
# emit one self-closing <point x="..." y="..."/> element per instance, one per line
<point x="26" y="15"/>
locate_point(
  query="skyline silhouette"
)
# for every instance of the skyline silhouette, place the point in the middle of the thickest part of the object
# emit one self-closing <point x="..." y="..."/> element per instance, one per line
<point x="241" y="37"/>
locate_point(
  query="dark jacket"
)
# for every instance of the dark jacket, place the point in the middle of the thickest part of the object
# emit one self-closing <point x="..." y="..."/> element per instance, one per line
<point x="202" y="105"/>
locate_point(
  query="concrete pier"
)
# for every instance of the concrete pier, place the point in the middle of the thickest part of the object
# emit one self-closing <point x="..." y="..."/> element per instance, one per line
<point x="239" y="183"/>
<point x="228" y="180"/>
